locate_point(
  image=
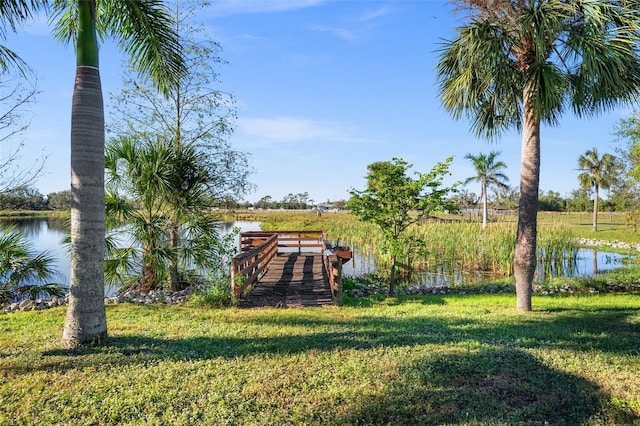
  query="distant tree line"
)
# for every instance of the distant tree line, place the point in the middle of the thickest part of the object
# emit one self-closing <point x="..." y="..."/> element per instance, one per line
<point x="578" y="200"/>
<point x="300" y="201"/>
<point x="29" y="198"/>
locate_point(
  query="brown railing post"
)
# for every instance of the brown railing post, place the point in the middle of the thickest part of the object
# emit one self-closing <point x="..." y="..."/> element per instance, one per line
<point x="234" y="272"/>
<point x="336" y="270"/>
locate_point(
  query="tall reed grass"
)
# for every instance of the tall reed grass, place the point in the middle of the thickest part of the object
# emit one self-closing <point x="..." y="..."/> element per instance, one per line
<point x="449" y="247"/>
<point x="459" y="247"/>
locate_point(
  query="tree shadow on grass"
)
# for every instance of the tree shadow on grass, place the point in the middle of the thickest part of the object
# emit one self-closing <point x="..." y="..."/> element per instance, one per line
<point x="481" y="373"/>
<point x="502" y="386"/>
<point x="603" y="331"/>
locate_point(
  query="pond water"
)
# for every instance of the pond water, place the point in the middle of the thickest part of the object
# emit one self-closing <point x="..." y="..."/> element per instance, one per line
<point x="50" y="233"/>
<point x="587" y="262"/>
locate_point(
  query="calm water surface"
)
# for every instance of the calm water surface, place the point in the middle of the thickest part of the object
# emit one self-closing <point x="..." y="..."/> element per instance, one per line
<point x="49" y="234"/>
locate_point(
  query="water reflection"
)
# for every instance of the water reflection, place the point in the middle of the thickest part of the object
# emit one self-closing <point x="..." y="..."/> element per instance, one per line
<point x="49" y="234"/>
<point x="581" y="263"/>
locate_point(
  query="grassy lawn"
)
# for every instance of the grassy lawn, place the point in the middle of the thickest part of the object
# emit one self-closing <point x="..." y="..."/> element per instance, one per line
<point x="424" y="360"/>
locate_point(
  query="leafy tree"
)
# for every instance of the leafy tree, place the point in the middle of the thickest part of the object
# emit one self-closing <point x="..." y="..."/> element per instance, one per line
<point x="395" y="201"/>
<point x="579" y="200"/>
<point x="597" y="172"/>
<point x="194" y="113"/>
<point x="627" y="132"/>
<point x="507" y="198"/>
<point x="551" y="202"/>
<point x="22" y="272"/>
<point x="625" y="192"/>
<point x="520" y="64"/>
<point x="59" y="200"/>
<point x="464" y="199"/>
<point x="339" y="204"/>
<point x="488" y="174"/>
<point x="145" y="31"/>
<point x="23" y="198"/>
<point x="264" y="202"/>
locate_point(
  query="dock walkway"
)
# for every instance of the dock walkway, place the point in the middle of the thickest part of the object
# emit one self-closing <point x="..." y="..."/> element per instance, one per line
<point x="287" y="269"/>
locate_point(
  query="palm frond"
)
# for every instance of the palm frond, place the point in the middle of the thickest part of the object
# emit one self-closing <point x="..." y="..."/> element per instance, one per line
<point x="145" y="32"/>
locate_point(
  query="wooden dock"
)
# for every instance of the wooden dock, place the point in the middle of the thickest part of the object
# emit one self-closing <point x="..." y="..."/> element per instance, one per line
<point x="287" y="269"/>
<point x="292" y="280"/>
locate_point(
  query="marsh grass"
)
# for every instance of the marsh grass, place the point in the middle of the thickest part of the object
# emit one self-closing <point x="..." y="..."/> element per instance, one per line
<point x="406" y="360"/>
<point x="452" y="244"/>
<point x="611" y="226"/>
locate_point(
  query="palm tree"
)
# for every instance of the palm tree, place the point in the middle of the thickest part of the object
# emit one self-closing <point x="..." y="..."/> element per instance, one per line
<point x="488" y="173"/>
<point x="23" y="272"/>
<point x="597" y="172"/>
<point x="169" y="186"/>
<point x="144" y="30"/>
<point x="517" y="64"/>
<point x="194" y="112"/>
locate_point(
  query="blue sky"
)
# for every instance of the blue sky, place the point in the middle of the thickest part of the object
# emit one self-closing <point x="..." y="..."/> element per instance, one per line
<point x="323" y="88"/>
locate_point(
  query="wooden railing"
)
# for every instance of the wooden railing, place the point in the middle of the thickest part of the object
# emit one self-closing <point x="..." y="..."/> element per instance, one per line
<point x="258" y="248"/>
<point x="253" y="260"/>
<point x="287" y="240"/>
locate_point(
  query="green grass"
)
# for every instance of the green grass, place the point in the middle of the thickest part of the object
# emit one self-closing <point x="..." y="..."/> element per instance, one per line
<point x="17" y="214"/>
<point x="611" y="226"/>
<point x="421" y="360"/>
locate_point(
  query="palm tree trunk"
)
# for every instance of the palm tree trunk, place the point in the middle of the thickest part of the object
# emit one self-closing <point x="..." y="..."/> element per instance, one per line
<point x="484" y="206"/>
<point x="524" y="264"/>
<point x="173" y="267"/>
<point x="148" y="277"/>
<point x="595" y="208"/>
<point x="86" y="320"/>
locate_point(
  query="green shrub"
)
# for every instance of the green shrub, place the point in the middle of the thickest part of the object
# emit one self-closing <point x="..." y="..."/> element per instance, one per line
<point x="215" y="293"/>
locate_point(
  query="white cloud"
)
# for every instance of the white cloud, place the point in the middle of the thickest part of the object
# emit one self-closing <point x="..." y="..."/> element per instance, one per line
<point x="343" y="33"/>
<point x="358" y="29"/>
<point x="290" y="130"/>
<point x="375" y="14"/>
<point x="233" y="7"/>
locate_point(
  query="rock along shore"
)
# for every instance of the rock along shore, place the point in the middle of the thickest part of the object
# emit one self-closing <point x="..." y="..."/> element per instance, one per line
<point x="155" y="296"/>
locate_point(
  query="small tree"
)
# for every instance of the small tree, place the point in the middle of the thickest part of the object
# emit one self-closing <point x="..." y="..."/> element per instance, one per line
<point x="597" y="172"/>
<point x="395" y="201"/>
<point x="488" y="174"/>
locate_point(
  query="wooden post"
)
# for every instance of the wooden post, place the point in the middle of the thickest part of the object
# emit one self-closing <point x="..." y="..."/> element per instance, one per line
<point x="337" y="288"/>
<point x="234" y="268"/>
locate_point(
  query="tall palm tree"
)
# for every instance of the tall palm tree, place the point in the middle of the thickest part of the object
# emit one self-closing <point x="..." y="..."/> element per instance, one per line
<point x="517" y="64"/>
<point x="597" y="172"/>
<point x="488" y="173"/>
<point x="144" y="30"/>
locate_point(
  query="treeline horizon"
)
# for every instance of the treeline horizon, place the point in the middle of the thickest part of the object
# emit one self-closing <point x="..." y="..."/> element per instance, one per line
<point x="30" y="198"/>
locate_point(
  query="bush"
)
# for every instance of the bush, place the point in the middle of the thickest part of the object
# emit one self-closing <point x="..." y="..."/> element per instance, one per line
<point x="214" y="293"/>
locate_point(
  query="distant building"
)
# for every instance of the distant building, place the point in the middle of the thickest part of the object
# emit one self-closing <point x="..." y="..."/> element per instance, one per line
<point x="326" y="206"/>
